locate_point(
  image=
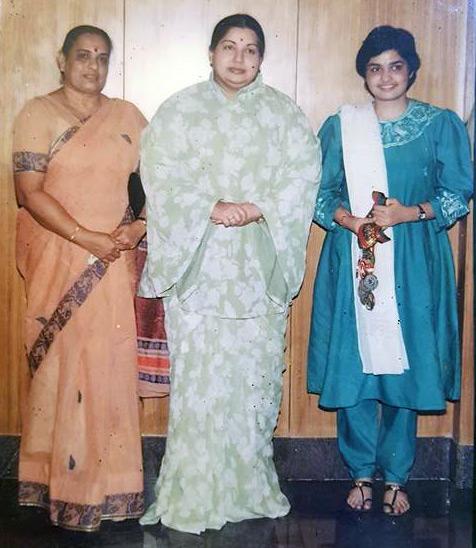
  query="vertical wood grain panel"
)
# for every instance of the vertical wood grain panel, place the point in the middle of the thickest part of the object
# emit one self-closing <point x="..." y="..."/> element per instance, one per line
<point x="31" y="35"/>
<point x="464" y="426"/>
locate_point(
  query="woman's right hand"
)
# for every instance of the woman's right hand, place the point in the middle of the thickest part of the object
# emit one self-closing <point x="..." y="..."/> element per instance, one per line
<point x="345" y="219"/>
<point x="99" y="244"/>
<point x="357" y="222"/>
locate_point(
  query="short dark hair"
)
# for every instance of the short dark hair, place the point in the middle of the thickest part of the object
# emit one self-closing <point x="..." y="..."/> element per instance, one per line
<point x="384" y="38"/>
<point x="76" y="32"/>
<point x="241" y="21"/>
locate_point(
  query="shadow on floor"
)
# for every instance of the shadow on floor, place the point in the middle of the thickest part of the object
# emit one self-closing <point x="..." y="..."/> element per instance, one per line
<point x="441" y="517"/>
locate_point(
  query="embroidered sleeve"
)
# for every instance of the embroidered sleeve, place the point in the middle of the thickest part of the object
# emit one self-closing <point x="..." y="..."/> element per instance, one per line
<point x="332" y="192"/>
<point x="449" y="207"/>
<point x="30" y="161"/>
<point x="454" y="185"/>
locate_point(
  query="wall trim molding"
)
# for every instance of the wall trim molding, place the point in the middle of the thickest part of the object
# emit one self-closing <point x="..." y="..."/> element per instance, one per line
<point x="304" y="459"/>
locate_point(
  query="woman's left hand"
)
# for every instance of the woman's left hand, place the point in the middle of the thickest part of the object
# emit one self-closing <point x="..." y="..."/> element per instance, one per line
<point x="128" y="236"/>
<point x="392" y="213"/>
<point x="253" y="213"/>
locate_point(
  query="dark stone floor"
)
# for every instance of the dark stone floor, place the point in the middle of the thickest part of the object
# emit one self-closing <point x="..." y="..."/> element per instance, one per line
<point x="441" y="517"/>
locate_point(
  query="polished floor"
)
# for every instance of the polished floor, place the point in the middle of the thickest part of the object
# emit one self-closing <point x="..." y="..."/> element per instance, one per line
<point x="441" y="517"/>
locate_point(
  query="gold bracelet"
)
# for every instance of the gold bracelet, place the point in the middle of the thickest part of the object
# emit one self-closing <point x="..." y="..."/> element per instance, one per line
<point x="74" y="234"/>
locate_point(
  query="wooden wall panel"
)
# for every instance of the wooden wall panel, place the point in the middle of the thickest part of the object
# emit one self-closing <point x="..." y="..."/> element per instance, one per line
<point x="160" y="46"/>
<point x="464" y="427"/>
<point x="326" y="79"/>
<point x="464" y="416"/>
<point x="31" y="34"/>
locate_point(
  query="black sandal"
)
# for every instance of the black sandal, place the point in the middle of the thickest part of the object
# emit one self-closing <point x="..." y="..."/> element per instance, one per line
<point x="360" y="484"/>
<point x="391" y="505"/>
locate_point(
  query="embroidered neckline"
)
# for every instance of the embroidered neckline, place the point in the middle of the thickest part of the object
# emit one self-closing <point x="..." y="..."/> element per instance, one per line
<point x="409" y="106"/>
<point x="409" y="126"/>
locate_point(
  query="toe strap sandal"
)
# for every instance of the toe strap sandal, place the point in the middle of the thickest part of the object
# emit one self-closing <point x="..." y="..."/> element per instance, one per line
<point x="389" y="507"/>
<point x="366" y="504"/>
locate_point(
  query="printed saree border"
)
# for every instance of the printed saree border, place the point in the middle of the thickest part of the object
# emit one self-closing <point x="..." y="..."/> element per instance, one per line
<point x="71" y="301"/>
<point x="81" y="517"/>
<point x="26" y="160"/>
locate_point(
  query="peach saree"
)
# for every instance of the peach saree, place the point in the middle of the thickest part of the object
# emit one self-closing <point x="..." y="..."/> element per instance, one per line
<point x="80" y="454"/>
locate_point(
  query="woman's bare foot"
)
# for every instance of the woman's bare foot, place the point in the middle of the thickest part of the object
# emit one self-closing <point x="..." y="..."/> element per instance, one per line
<point x="395" y="500"/>
<point x="360" y="495"/>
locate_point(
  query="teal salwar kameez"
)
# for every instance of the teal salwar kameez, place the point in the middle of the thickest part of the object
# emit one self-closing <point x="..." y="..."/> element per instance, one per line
<point x="427" y="160"/>
<point x="368" y="441"/>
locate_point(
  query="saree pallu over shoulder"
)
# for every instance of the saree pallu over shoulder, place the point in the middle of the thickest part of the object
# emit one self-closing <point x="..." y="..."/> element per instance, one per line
<point x="58" y="271"/>
<point x="80" y="454"/>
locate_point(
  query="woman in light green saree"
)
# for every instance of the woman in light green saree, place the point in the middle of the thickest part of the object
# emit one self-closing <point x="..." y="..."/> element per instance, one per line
<point x="230" y="170"/>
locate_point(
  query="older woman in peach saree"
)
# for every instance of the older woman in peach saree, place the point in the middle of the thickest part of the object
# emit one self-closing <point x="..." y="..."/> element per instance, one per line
<point x="74" y="149"/>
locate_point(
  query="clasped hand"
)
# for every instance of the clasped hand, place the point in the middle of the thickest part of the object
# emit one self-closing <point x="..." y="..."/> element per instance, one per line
<point x="108" y="247"/>
<point x="235" y="214"/>
<point x="128" y="236"/>
<point x="390" y="214"/>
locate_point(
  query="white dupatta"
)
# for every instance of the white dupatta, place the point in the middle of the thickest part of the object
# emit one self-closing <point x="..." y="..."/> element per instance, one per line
<point x="381" y="345"/>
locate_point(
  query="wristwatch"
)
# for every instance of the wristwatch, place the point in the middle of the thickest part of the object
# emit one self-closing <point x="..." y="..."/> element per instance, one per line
<point x="421" y="213"/>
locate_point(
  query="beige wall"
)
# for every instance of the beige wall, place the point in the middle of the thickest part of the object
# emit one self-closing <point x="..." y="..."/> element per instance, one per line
<point x="160" y="46"/>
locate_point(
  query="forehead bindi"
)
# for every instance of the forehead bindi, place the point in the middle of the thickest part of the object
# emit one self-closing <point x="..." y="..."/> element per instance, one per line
<point x="237" y="35"/>
<point x="91" y="42"/>
<point x="240" y="41"/>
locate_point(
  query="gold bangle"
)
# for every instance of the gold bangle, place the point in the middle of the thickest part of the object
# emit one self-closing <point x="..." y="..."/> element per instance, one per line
<point x="74" y="234"/>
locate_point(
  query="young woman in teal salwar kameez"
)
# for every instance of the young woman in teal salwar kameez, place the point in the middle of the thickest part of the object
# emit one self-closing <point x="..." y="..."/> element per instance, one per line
<point x="379" y="363"/>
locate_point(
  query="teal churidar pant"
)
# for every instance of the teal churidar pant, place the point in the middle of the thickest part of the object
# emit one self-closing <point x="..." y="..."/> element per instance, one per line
<point x="370" y="438"/>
